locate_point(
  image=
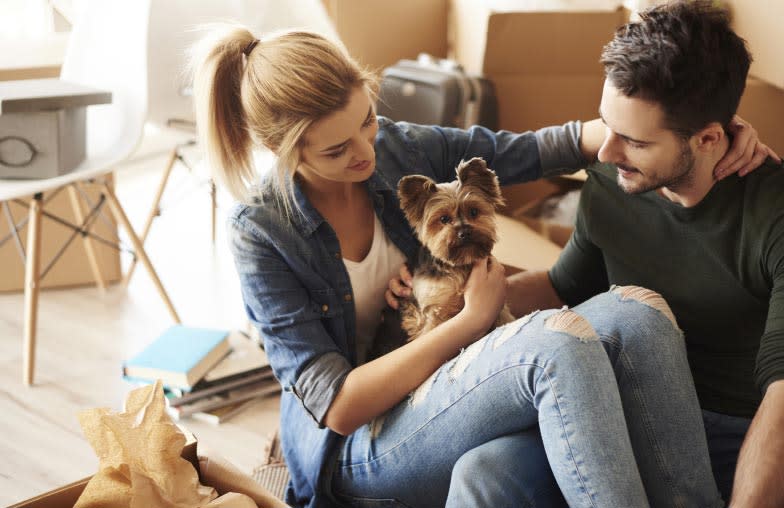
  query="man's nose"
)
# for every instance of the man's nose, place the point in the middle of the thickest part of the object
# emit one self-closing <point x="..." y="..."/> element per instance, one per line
<point x="610" y="150"/>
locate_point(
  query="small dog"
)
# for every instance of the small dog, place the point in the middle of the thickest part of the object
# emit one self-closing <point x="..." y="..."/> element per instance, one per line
<point x="456" y="224"/>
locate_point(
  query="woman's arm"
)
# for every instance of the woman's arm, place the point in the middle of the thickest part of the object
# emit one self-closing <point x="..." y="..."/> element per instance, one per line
<point x="371" y="389"/>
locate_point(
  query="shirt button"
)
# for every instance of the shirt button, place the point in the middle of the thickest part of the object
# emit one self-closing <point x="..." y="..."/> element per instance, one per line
<point x="347" y="297"/>
<point x="324" y="308"/>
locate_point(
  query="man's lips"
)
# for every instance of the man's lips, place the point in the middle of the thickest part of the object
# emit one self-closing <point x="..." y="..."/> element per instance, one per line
<point x="626" y="171"/>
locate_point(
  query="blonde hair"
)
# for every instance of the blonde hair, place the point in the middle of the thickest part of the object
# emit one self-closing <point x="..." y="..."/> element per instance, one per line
<point x="270" y="97"/>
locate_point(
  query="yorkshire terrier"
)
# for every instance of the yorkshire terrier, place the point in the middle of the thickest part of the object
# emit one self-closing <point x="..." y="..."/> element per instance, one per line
<point x="456" y="224"/>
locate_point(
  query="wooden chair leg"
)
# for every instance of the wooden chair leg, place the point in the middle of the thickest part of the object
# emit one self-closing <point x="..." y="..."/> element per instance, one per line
<point x="122" y="219"/>
<point x="154" y="210"/>
<point x="88" y="243"/>
<point x="32" y="287"/>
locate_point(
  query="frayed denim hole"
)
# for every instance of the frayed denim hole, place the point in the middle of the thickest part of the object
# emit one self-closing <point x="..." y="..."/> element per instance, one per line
<point x="569" y="322"/>
<point x="647" y="297"/>
<point x="511" y="329"/>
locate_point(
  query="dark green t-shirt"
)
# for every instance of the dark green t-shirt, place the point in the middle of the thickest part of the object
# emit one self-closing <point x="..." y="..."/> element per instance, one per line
<point x="719" y="264"/>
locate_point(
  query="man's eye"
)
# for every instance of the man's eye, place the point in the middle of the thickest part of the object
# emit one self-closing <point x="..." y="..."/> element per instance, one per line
<point x="473" y="212"/>
<point x="635" y="144"/>
<point x="446" y="219"/>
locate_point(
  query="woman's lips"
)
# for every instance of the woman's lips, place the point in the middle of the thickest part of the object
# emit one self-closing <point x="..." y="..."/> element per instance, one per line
<point x="360" y="166"/>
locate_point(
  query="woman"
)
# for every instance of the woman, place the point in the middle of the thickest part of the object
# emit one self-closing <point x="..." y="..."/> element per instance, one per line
<point x="315" y="244"/>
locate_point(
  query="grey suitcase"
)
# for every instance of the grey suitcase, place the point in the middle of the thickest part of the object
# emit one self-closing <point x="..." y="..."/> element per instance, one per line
<point x="436" y="91"/>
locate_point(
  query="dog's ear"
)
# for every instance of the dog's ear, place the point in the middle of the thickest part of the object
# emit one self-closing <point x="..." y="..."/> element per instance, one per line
<point x="475" y="173"/>
<point x="414" y="191"/>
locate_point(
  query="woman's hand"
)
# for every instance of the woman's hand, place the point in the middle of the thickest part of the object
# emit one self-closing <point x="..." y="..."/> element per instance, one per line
<point x="399" y="287"/>
<point x="746" y="153"/>
<point x="485" y="292"/>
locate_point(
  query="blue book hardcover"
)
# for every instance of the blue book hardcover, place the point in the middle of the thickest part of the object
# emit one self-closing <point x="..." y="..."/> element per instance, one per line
<point x="179" y="357"/>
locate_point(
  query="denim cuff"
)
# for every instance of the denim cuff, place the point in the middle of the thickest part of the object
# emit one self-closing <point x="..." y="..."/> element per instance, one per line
<point x="559" y="149"/>
<point x="320" y="382"/>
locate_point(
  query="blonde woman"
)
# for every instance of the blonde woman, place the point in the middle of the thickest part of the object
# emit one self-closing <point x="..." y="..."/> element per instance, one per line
<point x="316" y="242"/>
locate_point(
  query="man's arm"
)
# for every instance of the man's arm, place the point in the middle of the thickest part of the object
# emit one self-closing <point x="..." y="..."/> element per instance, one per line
<point x="529" y="291"/>
<point x="759" y="477"/>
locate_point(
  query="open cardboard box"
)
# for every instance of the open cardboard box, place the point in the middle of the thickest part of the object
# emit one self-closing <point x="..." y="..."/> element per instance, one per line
<point x="525" y="240"/>
<point x="67" y="495"/>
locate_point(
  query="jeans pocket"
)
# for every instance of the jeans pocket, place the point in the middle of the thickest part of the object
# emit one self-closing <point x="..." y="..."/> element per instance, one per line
<point x="366" y="502"/>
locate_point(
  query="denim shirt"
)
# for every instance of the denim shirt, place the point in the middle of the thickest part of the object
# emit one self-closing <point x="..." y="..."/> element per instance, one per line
<point x="297" y="291"/>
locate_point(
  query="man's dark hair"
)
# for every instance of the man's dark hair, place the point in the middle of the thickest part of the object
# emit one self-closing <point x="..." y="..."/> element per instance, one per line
<point x="685" y="57"/>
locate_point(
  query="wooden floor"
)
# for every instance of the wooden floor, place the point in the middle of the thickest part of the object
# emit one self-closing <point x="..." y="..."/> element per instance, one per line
<point x="84" y="335"/>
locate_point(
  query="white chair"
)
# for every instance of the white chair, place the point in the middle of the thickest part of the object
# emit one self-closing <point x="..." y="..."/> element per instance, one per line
<point x="174" y="27"/>
<point x="108" y="51"/>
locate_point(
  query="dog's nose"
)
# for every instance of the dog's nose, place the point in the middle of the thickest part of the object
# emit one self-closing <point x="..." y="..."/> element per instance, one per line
<point x="464" y="233"/>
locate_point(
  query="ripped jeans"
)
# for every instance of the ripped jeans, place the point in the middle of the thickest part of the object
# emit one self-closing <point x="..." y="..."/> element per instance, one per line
<point x="606" y="385"/>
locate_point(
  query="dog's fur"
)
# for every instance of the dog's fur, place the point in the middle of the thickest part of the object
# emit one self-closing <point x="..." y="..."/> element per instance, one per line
<point x="456" y="224"/>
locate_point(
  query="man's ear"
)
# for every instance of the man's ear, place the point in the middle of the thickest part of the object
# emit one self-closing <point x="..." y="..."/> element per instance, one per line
<point x="709" y="137"/>
<point x="414" y="192"/>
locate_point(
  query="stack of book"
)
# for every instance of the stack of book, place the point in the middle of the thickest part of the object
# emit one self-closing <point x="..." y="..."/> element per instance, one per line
<point x="210" y="375"/>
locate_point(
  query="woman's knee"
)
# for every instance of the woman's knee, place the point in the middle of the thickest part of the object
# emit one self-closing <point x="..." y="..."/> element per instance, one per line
<point x="647" y="297"/>
<point x="632" y="314"/>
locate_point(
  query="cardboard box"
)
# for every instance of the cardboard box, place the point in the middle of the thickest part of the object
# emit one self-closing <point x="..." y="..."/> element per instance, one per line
<point x="72" y="268"/>
<point x="378" y="33"/>
<point x="763" y="105"/>
<point x="520" y="248"/>
<point x="545" y="65"/>
<point x="759" y="22"/>
<point x="67" y="495"/>
<point x="525" y="203"/>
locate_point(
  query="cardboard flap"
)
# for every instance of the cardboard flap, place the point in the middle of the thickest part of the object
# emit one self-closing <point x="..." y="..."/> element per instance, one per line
<point x="574" y="41"/>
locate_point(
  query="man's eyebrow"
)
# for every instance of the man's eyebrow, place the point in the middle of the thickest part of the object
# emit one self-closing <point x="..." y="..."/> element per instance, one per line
<point x="624" y="136"/>
<point x="340" y="145"/>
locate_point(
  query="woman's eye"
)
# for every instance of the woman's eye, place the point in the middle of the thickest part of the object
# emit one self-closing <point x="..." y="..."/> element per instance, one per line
<point x="473" y="212"/>
<point x="369" y="121"/>
<point x="446" y="219"/>
<point x="335" y="155"/>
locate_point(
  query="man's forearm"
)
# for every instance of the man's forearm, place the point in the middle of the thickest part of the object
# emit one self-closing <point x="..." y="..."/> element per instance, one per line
<point x="529" y="291"/>
<point x="759" y="477"/>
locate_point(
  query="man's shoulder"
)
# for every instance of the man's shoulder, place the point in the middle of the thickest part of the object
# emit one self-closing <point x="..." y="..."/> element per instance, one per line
<point x="763" y="189"/>
<point x="765" y="185"/>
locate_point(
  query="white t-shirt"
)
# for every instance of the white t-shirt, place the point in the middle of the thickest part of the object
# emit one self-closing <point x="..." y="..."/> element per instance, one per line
<point x="369" y="280"/>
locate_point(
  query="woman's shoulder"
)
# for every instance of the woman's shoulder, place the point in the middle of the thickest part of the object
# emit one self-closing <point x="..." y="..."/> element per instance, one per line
<point x="262" y="218"/>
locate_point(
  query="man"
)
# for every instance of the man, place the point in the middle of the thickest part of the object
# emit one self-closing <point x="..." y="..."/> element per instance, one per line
<point x="655" y="216"/>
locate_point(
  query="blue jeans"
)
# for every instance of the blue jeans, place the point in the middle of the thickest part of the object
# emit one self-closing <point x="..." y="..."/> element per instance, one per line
<point x="591" y="379"/>
<point x="725" y="436"/>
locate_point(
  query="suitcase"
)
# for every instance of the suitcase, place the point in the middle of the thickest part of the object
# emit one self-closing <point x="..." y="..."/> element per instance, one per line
<point x="435" y="91"/>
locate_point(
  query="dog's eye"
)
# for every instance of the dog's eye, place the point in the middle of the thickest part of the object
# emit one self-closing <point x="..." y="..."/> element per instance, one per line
<point x="473" y="212"/>
<point x="446" y="219"/>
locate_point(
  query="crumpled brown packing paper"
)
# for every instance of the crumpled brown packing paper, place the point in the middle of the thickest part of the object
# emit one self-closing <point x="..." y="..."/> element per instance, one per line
<point x="140" y="464"/>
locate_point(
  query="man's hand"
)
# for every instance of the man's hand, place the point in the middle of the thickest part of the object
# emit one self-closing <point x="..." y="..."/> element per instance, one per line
<point x="746" y="153"/>
<point x="399" y="287"/>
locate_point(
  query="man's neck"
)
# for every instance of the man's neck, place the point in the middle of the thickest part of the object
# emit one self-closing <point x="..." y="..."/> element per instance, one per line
<point x="700" y="181"/>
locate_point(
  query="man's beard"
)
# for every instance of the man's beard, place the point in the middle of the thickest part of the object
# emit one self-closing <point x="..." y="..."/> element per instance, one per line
<point x="682" y="173"/>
